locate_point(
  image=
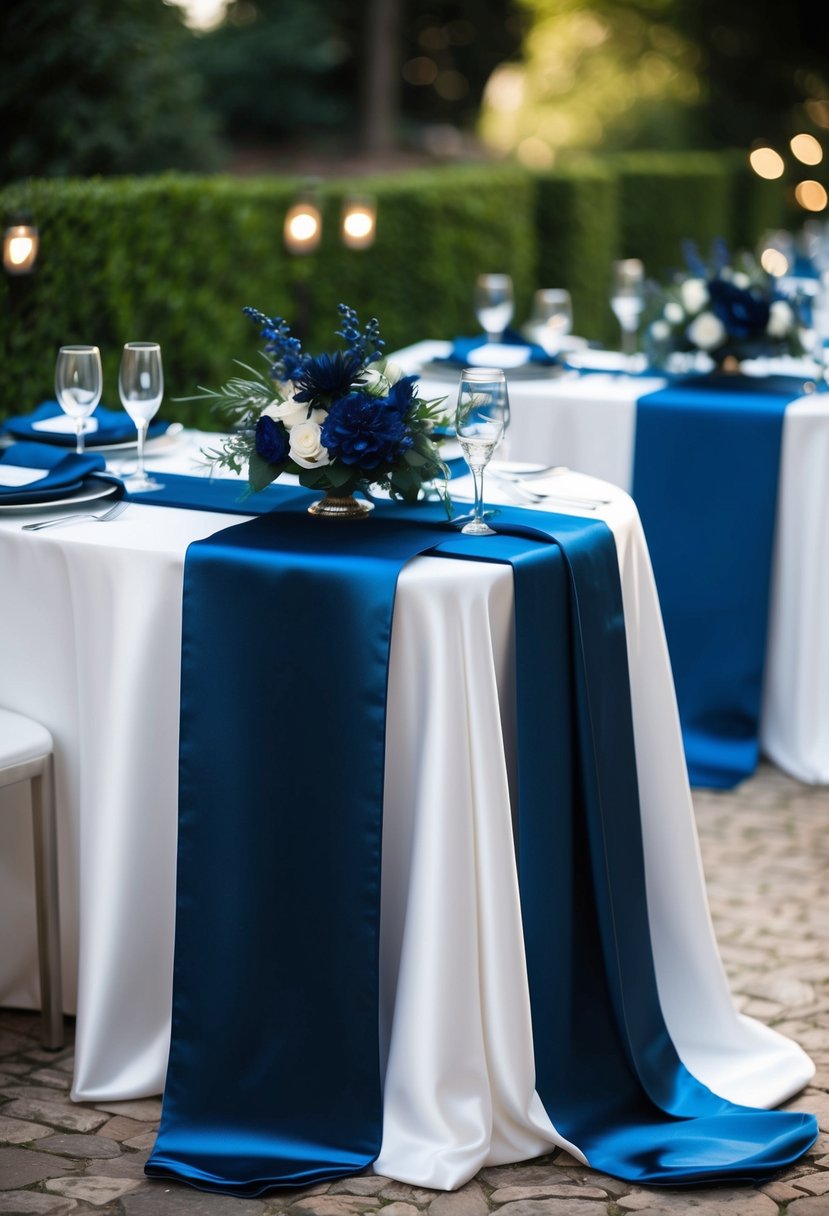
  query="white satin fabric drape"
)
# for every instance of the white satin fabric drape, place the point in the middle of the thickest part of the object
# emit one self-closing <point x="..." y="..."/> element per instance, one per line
<point x="588" y="423"/>
<point x="90" y="625"/>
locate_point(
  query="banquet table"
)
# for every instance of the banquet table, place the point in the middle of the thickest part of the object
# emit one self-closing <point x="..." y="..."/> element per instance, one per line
<point x="90" y="637"/>
<point x="587" y="422"/>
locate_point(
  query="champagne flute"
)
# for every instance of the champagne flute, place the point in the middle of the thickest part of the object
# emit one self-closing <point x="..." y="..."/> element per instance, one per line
<point x="552" y="318"/>
<point x="627" y="300"/>
<point x="494" y="304"/>
<point x="141" y="387"/>
<point x="78" y="385"/>
<point x="480" y="419"/>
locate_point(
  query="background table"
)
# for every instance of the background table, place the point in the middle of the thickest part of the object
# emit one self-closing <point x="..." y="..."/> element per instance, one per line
<point x="588" y="422"/>
<point x="89" y="644"/>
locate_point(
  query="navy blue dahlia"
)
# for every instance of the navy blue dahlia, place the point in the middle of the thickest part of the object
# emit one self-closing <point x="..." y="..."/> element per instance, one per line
<point x="365" y="432"/>
<point x="326" y="376"/>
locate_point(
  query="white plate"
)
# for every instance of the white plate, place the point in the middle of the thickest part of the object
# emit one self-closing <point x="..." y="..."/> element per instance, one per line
<point x="606" y="361"/>
<point x="158" y="443"/>
<point x="93" y="487"/>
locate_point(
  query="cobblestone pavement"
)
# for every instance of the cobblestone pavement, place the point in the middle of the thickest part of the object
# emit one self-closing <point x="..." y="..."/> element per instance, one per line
<point x="766" y="854"/>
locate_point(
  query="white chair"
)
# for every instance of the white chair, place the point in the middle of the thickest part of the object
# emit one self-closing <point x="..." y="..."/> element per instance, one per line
<point x="26" y="755"/>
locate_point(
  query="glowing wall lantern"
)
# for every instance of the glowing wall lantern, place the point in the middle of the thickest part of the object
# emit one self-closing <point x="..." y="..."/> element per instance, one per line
<point x="358" y="225"/>
<point x="20" y="247"/>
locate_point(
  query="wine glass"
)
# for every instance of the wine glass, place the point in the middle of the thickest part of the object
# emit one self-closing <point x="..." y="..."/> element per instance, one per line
<point x="494" y="304"/>
<point x="78" y="385"/>
<point x="480" y="420"/>
<point x="552" y="318"/>
<point x="141" y="387"/>
<point x="627" y="300"/>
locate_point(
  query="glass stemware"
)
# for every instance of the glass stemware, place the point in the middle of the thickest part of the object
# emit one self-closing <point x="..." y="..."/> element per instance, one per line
<point x="78" y="385"/>
<point x="480" y="420"/>
<point x="627" y="300"/>
<point x="551" y="319"/>
<point x="494" y="304"/>
<point x="141" y="387"/>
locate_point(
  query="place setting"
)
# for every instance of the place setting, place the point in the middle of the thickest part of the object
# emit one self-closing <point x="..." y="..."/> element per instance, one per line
<point x="58" y="454"/>
<point x="534" y="351"/>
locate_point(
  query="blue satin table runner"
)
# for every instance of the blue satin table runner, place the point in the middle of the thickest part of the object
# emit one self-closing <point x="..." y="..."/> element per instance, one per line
<point x="705" y="478"/>
<point x="273" y="1076"/>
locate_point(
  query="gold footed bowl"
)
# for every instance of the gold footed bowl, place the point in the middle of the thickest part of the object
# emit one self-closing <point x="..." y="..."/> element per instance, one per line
<point x="341" y="506"/>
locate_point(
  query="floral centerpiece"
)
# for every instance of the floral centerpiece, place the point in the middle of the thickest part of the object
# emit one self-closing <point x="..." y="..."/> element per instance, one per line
<point x="727" y="311"/>
<point x="342" y="421"/>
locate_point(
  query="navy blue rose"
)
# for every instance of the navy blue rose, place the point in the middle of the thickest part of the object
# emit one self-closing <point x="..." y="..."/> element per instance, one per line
<point x="365" y="432"/>
<point x="327" y="377"/>
<point x="743" y="314"/>
<point x="271" y="440"/>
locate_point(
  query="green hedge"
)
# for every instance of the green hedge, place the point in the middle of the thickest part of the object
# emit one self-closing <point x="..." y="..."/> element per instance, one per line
<point x="577" y="217"/>
<point x="175" y="258"/>
<point x="667" y="198"/>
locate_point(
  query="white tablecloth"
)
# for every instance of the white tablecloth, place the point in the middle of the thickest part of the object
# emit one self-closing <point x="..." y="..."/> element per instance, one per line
<point x="588" y="423"/>
<point x="90" y="621"/>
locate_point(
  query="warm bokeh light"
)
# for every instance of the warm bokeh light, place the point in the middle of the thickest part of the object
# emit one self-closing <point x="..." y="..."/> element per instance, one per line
<point x="807" y="149"/>
<point x="303" y="228"/>
<point x="535" y="153"/>
<point x="20" y="246"/>
<point x="359" y="223"/>
<point x="202" y="14"/>
<point x="774" y="262"/>
<point x="818" y="110"/>
<point x="420" y="71"/>
<point x="811" y="195"/>
<point x="767" y="163"/>
<point x="451" y="85"/>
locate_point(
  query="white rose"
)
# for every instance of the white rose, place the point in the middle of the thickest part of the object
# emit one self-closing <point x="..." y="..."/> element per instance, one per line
<point x="375" y="382"/>
<point x="393" y="372"/>
<point x="694" y="295"/>
<point x="707" y="331"/>
<point x="290" y="412"/>
<point x="384" y="370"/>
<point x="741" y="280"/>
<point x="306" y="448"/>
<point x="660" y="331"/>
<point x="781" y="319"/>
<point x="673" y="313"/>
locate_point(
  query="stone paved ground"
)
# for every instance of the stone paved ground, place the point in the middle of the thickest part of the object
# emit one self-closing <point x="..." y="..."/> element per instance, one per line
<point x="766" y="853"/>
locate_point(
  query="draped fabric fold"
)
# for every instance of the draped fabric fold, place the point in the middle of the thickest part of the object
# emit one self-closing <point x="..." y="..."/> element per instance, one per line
<point x="273" y="1075"/>
<point x="702" y="445"/>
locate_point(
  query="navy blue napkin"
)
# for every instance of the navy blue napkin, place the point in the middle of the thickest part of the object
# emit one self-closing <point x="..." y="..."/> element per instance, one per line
<point x="66" y="473"/>
<point x="461" y="348"/>
<point x="114" y="426"/>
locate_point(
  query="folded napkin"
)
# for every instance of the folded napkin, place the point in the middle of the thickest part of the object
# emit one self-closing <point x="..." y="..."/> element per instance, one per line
<point x="462" y="349"/>
<point x="61" y="473"/>
<point x="113" y="426"/>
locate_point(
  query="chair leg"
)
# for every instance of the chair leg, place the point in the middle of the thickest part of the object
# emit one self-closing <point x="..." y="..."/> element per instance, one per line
<point x="48" y="919"/>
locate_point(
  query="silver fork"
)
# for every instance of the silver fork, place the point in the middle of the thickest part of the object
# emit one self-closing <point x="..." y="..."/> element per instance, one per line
<point x="536" y="497"/>
<point x="112" y="513"/>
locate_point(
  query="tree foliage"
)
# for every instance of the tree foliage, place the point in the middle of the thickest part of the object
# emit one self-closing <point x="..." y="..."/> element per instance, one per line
<point x="98" y="86"/>
<point x="627" y="74"/>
